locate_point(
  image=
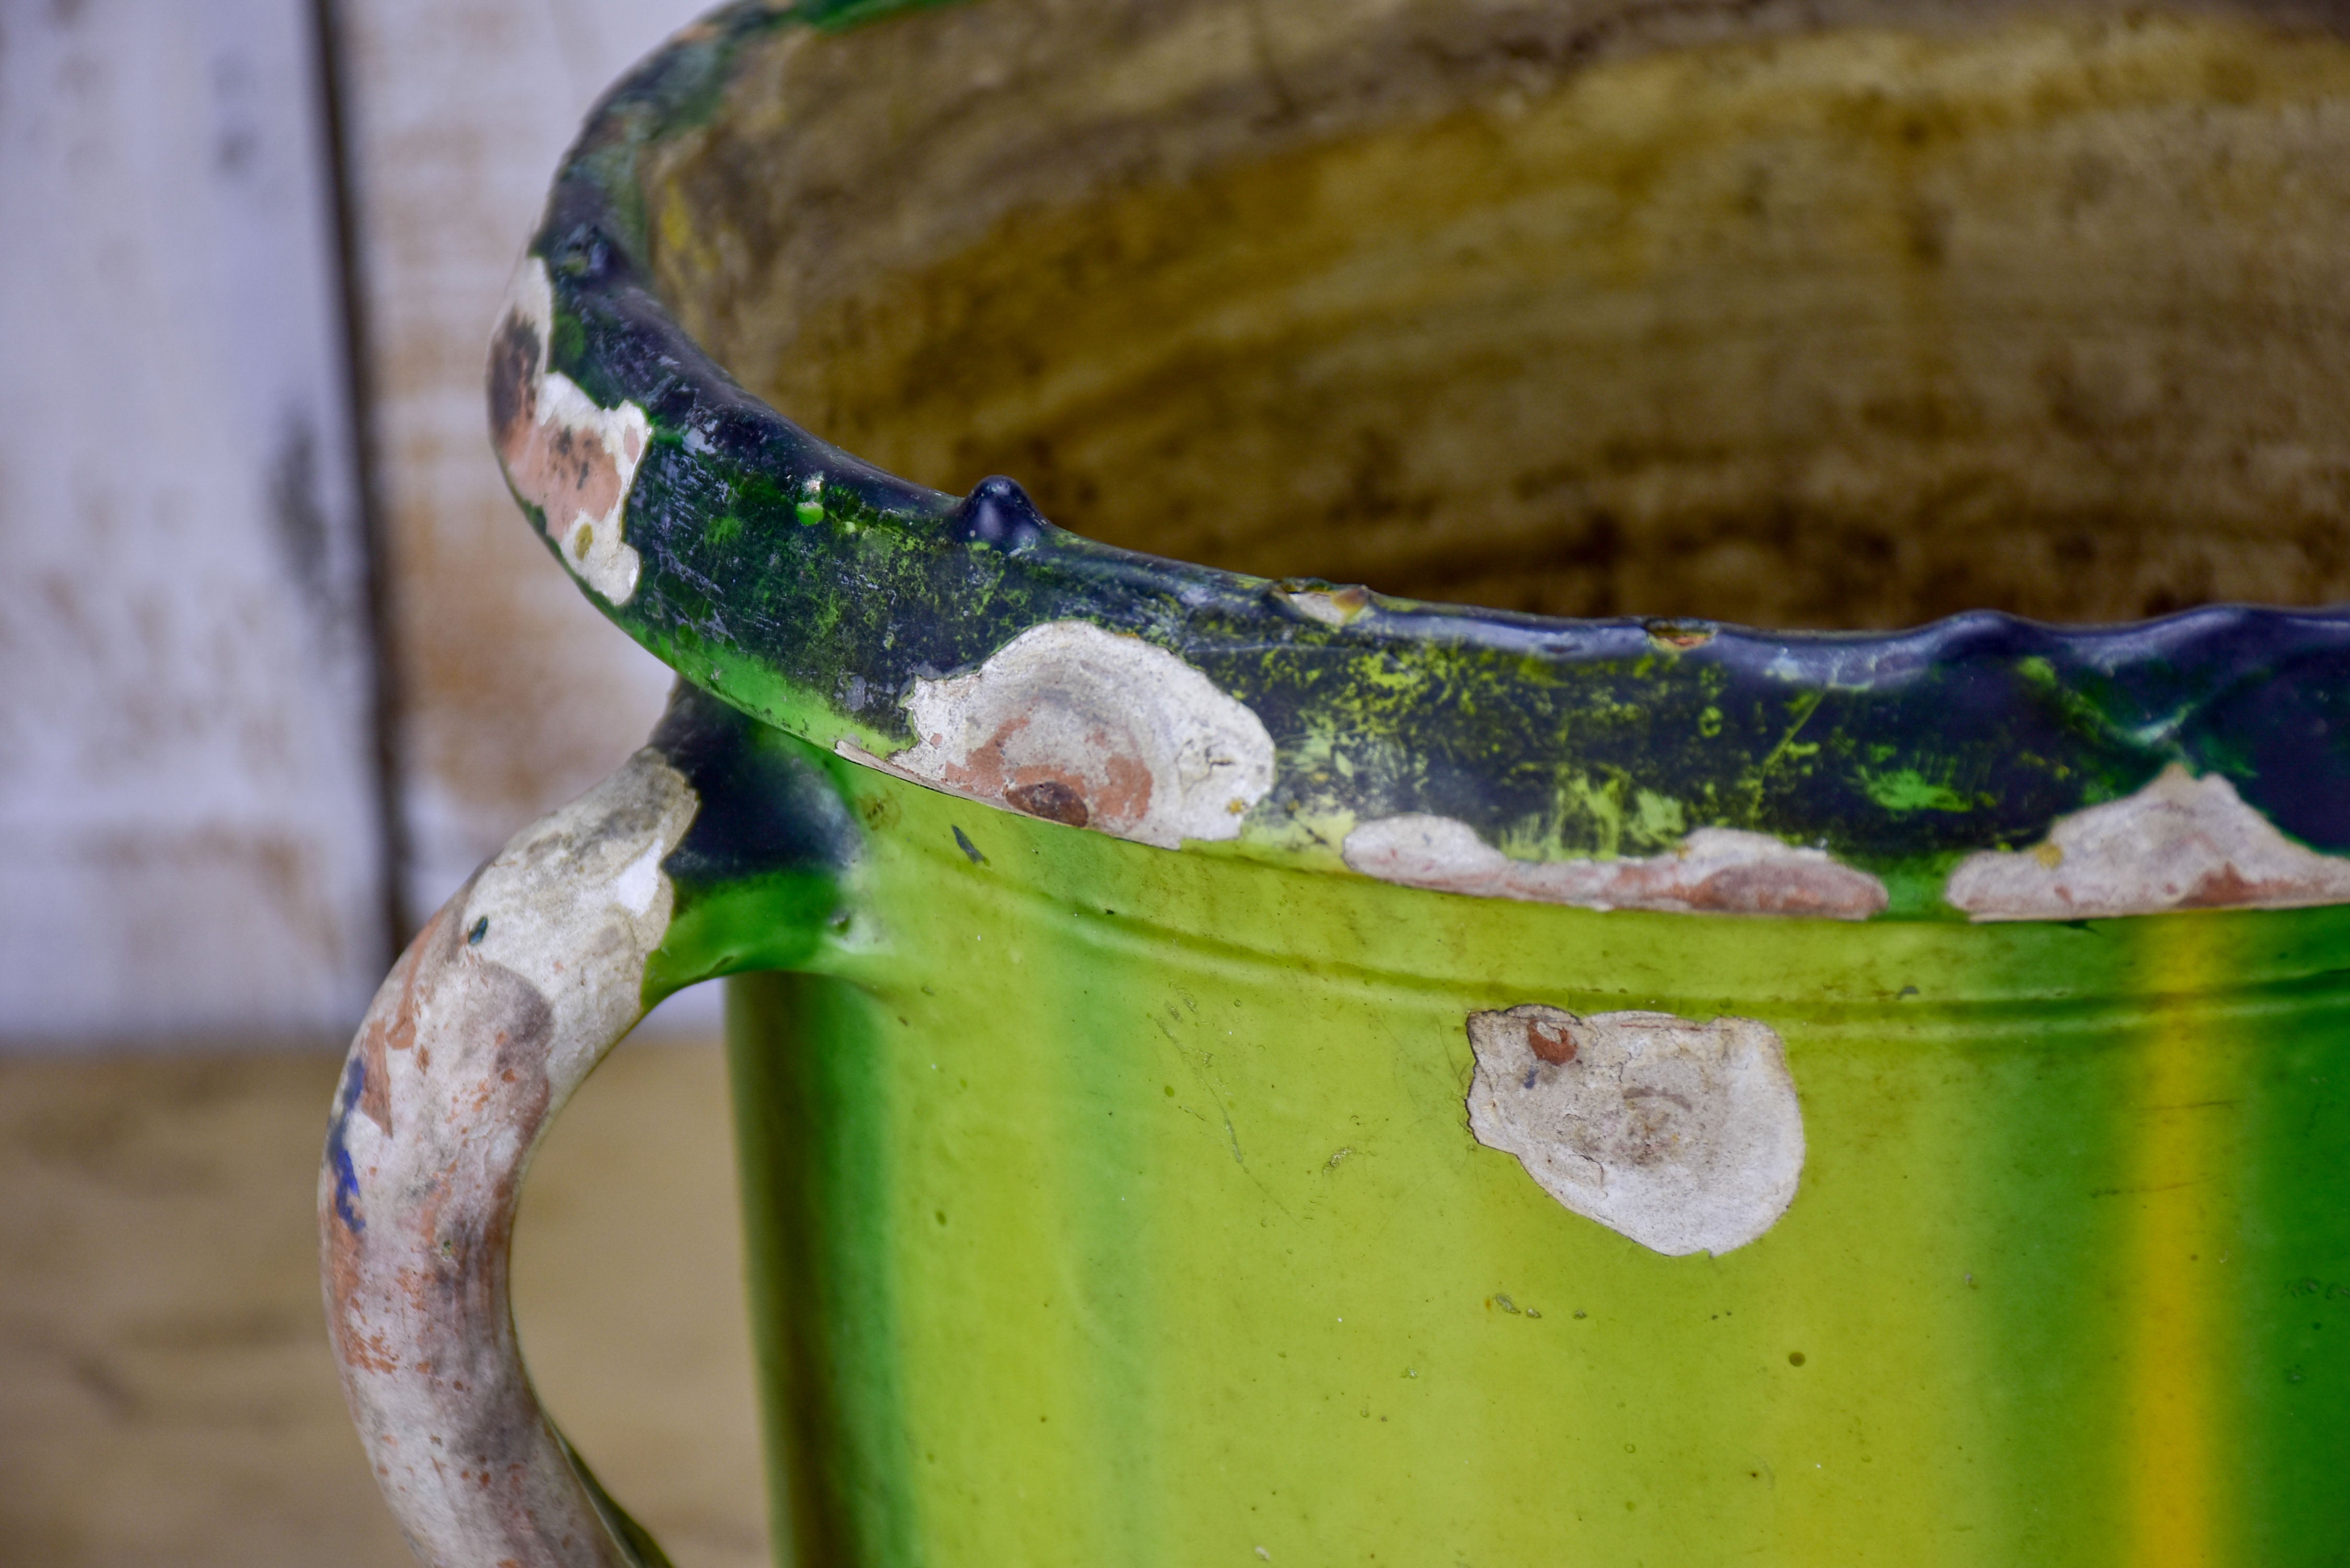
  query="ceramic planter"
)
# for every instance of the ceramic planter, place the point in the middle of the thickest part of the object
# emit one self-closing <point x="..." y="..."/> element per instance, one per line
<point x="1236" y="1067"/>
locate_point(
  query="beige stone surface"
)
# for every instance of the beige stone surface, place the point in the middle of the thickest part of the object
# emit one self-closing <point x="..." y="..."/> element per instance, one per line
<point x="166" y="1395"/>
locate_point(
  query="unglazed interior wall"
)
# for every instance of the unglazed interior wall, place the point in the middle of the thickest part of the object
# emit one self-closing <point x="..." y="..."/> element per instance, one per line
<point x="1783" y="326"/>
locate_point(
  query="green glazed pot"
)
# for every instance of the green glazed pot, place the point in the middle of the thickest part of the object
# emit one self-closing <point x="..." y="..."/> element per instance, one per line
<point x="1236" y="1067"/>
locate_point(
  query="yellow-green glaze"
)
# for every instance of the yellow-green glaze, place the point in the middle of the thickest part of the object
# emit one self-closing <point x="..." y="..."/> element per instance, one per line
<point x="1110" y="1205"/>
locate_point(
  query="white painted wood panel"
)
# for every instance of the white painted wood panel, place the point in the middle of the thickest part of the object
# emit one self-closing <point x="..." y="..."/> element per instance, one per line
<point x="189" y="839"/>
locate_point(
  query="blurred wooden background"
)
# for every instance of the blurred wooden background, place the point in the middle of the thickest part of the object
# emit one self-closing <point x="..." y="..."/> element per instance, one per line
<point x="282" y="664"/>
<point x="167" y="1399"/>
<point x="223" y="779"/>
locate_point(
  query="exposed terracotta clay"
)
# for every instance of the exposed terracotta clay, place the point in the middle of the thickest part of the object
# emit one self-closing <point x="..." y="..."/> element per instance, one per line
<point x="1093" y="729"/>
<point x="494" y="1014"/>
<point x="563" y="452"/>
<point x="1681" y="635"/>
<point x="2180" y="842"/>
<point x="1331" y="607"/>
<point x="1685" y="1136"/>
<point x="1716" y="870"/>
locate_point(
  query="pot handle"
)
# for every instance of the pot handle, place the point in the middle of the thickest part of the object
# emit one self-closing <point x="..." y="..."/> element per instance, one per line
<point x="498" y="1009"/>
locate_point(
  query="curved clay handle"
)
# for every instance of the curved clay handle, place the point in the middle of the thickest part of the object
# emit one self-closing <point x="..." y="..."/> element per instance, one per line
<point x="499" y="1008"/>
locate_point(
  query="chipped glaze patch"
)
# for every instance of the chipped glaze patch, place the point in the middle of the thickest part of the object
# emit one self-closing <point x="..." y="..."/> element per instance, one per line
<point x="1686" y="1137"/>
<point x="492" y="1018"/>
<point x="1331" y="607"/>
<point x="572" y="459"/>
<point x="2180" y="842"/>
<point x="1716" y="870"/>
<point x="1091" y="728"/>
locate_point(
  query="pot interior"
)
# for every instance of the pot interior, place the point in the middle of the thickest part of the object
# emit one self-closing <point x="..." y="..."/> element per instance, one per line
<point x="1741" y="315"/>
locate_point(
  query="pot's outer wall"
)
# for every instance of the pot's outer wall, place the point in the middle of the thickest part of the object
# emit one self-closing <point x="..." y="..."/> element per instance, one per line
<point x="1110" y="1205"/>
<point x="812" y="591"/>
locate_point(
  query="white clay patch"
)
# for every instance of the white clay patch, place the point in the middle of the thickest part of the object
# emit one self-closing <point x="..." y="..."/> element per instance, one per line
<point x="2180" y="842"/>
<point x="577" y="903"/>
<point x="1686" y="1137"/>
<point x="564" y="454"/>
<point x="1083" y="726"/>
<point x="1716" y="870"/>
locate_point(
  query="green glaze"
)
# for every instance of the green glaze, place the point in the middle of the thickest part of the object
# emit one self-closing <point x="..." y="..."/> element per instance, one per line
<point x="1109" y="1205"/>
<point x="1120" y="1205"/>
<point x="811" y="589"/>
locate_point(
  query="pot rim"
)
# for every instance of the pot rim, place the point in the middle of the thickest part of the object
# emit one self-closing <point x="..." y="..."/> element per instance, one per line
<point x="2197" y="761"/>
